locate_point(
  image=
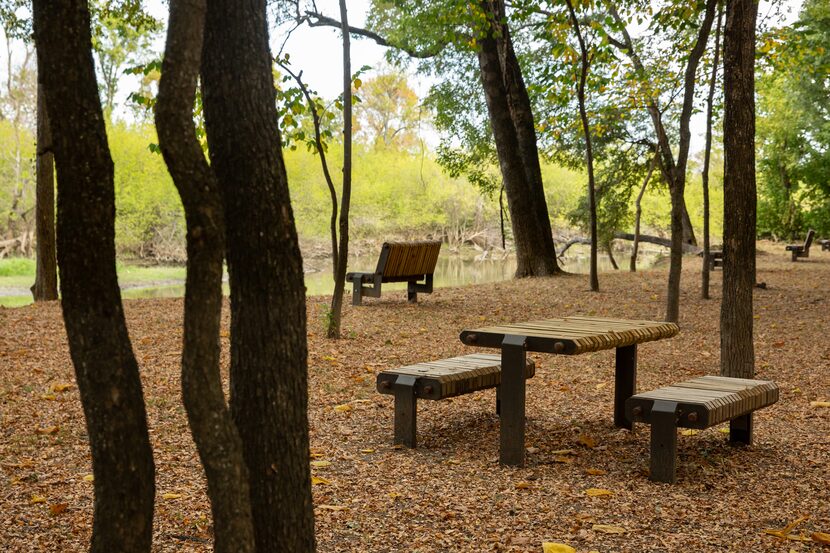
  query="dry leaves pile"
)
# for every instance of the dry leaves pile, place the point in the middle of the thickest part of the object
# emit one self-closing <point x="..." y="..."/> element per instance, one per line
<point x="584" y="487"/>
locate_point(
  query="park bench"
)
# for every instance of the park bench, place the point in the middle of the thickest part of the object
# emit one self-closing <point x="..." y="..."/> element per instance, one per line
<point x="802" y="250"/>
<point x="825" y="245"/>
<point x="408" y="262"/>
<point x="715" y="259"/>
<point x="698" y="403"/>
<point x="439" y="380"/>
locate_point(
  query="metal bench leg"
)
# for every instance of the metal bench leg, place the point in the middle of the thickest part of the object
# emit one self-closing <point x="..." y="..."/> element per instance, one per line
<point x="740" y="430"/>
<point x="357" y="292"/>
<point x="498" y="400"/>
<point x="406" y="410"/>
<point x="512" y="401"/>
<point x="663" y="441"/>
<point x="411" y="294"/>
<point x="625" y="383"/>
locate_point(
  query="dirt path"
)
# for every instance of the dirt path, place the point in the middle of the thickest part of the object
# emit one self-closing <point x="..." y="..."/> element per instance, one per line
<point x="450" y="494"/>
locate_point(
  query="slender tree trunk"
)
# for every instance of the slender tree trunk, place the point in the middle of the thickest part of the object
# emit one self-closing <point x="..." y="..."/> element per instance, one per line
<point x="531" y="230"/>
<point x="589" y="152"/>
<point x="269" y="382"/>
<point x="105" y="367"/>
<point x="639" y="212"/>
<point x="707" y="155"/>
<point x="333" y="330"/>
<point x="45" y="287"/>
<point x="739" y="193"/>
<point x="213" y="429"/>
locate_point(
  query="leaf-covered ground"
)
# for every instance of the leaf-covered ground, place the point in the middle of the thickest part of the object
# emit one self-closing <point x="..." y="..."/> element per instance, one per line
<point x="451" y="494"/>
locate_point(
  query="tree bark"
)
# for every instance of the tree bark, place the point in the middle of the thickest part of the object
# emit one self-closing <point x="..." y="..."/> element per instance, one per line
<point x="105" y="367"/>
<point x="214" y="432"/>
<point x="589" y="152"/>
<point x="511" y="121"/>
<point x="269" y="388"/>
<point x="739" y="193"/>
<point x="45" y="287"/>
<point x="707" y="155"/>
<point x="333" y="330"/>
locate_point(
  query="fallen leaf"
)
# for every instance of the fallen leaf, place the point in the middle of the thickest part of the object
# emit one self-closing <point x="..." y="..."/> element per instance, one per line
<point x="89" y="478"/>
<point x="332" y="508"/>
<point x="394" y="495"/>
<point x="367" y="450"/>
<point x="724" y="430"/>
<point x="47" y="430"/>
<point x="49" y="397"/>
<point x="821" y="537"/>
<point x="550" y="547"/>
<point x="563" y="459"/>
<point x="597" y="492"/>
<point x="564" y="452"/>
<point x="171" y="495"/>
<point x="320" y="464"/>
<point x="587" y="441"/>
<point x="522" y="485"/>
<point x="58" y="508"/>
<point x="317" y="480"/>
<point x="820" y="404"/>
<point x="37" y="499"/>
<point x="608" y="529"/>
<point x="784" y="532"/>
<point x="532" y="450"/>
<point x="596" y="472"/>
<point x="453" y="462"/>
<point x="58" y="388"/>
<point x="689" y="432"/>
<point x="343" y="408"/>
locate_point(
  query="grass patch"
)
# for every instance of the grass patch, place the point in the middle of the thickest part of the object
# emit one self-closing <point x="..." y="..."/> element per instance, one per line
<point x="17" y="267"/>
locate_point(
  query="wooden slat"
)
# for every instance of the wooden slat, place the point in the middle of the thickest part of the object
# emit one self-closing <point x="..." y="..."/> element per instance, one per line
<point x="410" y="258"/>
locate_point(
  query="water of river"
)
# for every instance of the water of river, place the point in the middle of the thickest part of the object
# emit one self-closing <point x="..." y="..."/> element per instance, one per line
<point x="452" y="270"/>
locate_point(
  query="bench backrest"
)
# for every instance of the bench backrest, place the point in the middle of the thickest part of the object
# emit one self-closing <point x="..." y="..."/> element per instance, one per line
<point x="809" y="240"/>
<point x="398" y="259"/>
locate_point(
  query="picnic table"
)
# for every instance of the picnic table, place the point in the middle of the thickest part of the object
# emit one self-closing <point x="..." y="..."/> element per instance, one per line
<point x="563" y="336"/>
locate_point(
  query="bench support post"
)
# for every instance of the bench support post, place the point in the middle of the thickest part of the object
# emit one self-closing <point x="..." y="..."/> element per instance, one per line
<point x="512" y="401"/>
<point x="358" y="290"/>
<point x="625" y="383"/>
<point x="663" y="441"/>
<point x="740" y="430"/>
<point x="413" y="287"/>
<point x="406" y="410"/>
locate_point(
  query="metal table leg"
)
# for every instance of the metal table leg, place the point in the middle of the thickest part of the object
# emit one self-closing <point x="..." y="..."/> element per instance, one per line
<point x="625" y="383"/>
<point x="512" y="400"/>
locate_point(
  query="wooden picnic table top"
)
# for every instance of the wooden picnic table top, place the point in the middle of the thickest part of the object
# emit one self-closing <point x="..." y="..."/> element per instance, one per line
<point x="572" y="335"/>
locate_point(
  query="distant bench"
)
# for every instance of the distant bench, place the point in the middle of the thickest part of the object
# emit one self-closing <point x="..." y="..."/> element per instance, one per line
<point x="800" y="250"/>
<point x="825" y="245"/>
<point x="715" y="259"/>
<point x="408" y="262"/>
<point x="439" y="380"/>
<point x="698" y="403"/>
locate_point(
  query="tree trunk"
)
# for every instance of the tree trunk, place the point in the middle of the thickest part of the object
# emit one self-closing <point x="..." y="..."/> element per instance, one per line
<point x="333" y="330"/>
<point x="706" y="160"/>
<point x="45" y="287"/>
<point x="268" y="373"/>
<point x="739" y="194"/>
<point x="214" y="432"/>
<point x="105" y="367"/>
<point x="589" y="153"/>
<point x="532" y="235"/>
<point x="638" y="213"/>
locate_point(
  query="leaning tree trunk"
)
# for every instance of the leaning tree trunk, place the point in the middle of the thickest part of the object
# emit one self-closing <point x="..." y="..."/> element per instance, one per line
<point x="333" y="330"/>
<point x="521" y="114"/>
<point x="105" y="367"/>
<point x="739" y="199"/>
<point x="639" y="212"/>
<point x="45" y="287"/>
<point x="707" y="155"/>
<point x="214" y="432"/>
<point x="589" y="152"/>
<point x="531" y="228"/>
<point x="268" y="373"/>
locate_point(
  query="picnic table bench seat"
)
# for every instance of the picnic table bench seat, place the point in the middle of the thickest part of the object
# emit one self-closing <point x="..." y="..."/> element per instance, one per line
<point x="802" y="250"/>
<point x="436" y="380"/>
<point x="698" y="403"/>
<point x="409" y="262"/>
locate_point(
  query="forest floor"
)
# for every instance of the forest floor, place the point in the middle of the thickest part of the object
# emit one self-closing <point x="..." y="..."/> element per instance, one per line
<point x="450" y="494"/>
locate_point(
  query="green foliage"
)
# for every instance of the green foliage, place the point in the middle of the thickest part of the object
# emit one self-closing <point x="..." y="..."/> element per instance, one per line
<point x="17" y="266"/>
